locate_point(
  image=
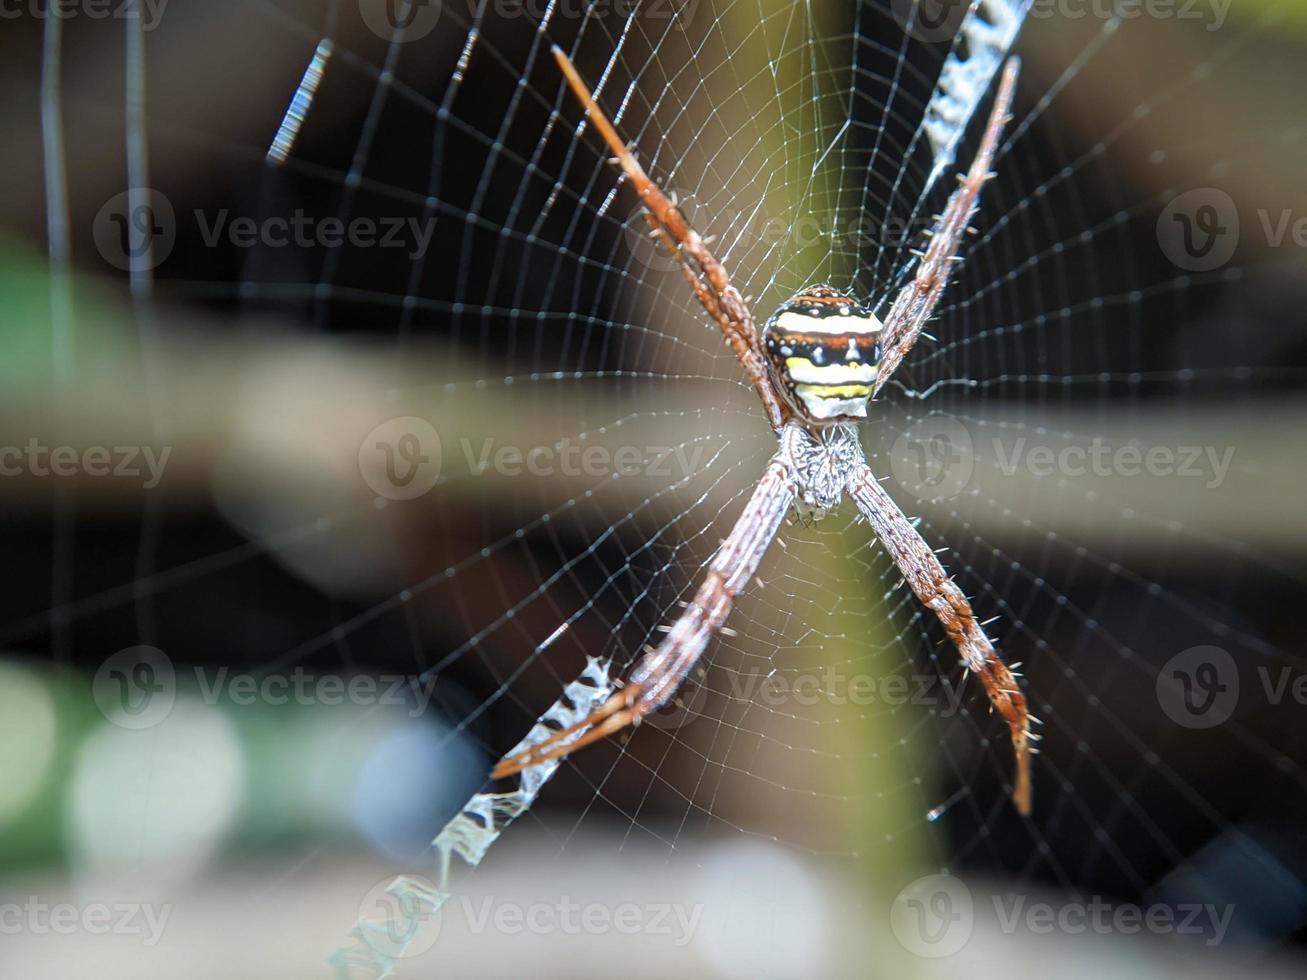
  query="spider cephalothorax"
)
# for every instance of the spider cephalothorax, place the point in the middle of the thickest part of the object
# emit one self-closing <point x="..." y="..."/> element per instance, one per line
<point x="824" y="348"/>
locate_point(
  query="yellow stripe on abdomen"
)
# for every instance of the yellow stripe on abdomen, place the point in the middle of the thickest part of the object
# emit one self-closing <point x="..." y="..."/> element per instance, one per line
<point x="834" y="391"/>
<point x="804" y="371"/>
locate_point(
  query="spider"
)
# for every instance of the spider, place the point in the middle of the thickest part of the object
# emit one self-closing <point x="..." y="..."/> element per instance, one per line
<point x="822" y="358"/>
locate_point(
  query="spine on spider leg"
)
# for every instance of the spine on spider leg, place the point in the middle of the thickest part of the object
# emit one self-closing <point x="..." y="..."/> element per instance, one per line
<point x="371" y="951"/>
<point x="984" y="39"/>
<point x="914" y="303"/>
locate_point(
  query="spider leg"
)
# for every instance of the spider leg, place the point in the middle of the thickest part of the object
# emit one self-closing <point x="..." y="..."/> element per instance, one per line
<point x="705" y="274"/>
<point x="937" y="592"/>
<point x="661" y="670"/>
<point x="612" y="716"/>
<point x="917" y="300"/>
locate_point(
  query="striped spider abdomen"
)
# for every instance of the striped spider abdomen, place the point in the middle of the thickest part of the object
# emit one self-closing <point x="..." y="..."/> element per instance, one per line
<point x="824" y="348"/>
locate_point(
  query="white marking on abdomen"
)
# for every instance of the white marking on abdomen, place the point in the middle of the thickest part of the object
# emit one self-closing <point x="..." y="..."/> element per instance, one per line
<point x="805" y="372"/>
<point x="833" y="408"/>
<point x="792" y="322"/>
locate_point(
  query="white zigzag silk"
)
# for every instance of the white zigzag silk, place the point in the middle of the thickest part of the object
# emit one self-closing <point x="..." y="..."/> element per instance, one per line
<point x="371" y="952"/>
<point x="984" y="39"/>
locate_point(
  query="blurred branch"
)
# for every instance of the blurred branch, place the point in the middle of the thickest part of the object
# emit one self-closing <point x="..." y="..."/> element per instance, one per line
<point x="285" y="417"/>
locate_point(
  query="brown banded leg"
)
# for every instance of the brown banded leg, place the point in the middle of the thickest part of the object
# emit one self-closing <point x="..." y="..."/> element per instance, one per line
<point x="917" y="300"/>
<point x="932" y="585"/>
<point x="705" y="274"/>
<point x="661" y="670"/>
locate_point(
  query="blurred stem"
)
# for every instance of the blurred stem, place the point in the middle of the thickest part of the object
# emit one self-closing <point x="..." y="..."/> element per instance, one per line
<point x="883" y="822"/>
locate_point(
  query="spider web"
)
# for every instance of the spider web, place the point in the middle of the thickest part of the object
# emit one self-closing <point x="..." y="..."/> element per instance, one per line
<point x="834" y="721"/>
